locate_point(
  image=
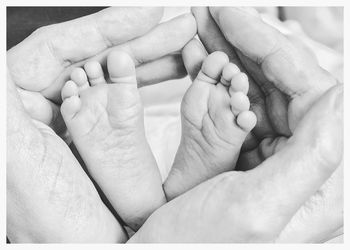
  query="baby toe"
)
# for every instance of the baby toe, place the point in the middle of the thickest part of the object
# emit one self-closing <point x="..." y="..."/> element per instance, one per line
<point x="121" y="67"/>
<point x="239" y="83"/>
<point x="228" y="72"/>
<point x="246" y="120"/>
<point x="239" y="102"/>
<point x="212" y="67"/>
<point x="78" y="75"/>
<point x="70" y="107"/>
<point x="69" y="89"/>
<point x="94" y="73"/>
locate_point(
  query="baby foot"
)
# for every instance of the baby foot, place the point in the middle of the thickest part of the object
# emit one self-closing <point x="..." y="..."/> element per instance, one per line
<point x="107" y="127"/>
<point x="215" y="122"/>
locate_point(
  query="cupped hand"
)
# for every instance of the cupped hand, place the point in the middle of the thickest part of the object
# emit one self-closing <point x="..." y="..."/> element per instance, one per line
<point x="257" y="205"/>
<point x="285" y="81"/>
<point x="41" y="63"/>
<point x="49" y="196"/>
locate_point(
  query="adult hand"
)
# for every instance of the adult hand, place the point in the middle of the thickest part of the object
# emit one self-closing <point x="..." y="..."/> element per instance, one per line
<point x="41" y="64"/>
<point x="49" y="197"/>
<point x="256" y="205"/>
<point x="280" y="199"/>
<point x="284" y="81"/>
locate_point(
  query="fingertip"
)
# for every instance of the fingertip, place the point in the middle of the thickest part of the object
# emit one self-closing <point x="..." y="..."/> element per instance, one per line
<point x="187" y="24"/>
<point x="157" y="12"/>
<point x="193" y="55"/>
<point x="190" y="22"/>
<point x="198" y="10"/>
<point x="215" y="12"/>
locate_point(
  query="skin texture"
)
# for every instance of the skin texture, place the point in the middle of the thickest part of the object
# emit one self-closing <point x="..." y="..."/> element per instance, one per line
<point x="61" y="203"/>
<point x="49" y="196"/>
<point x="50" y="54"/>
<point x="231" y="190"/>
<point x="288" y="67"/>
<point x="283" y="214"/>
<point x="277" y="108"/>
<point x="299" y="70"/>
<point x="107" y="127"/>
<point x="212" y="211"/>
<point x="215" y="121"/>
<point x="327" y="202"/>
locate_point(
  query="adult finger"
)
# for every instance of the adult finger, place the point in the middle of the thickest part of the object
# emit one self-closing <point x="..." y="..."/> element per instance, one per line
<point x="291" y="70"/>
<point x="49" y="50"/>
<point x="308" y="159"/>
<point x="210" y="34"/>
<point x="294" y="174"/>
<point x="166" y="38"/>
<point x="193" y="55"/>
<point x="41" y="109"/>
<point x="165" y="68"/>
<point x="33" y="100"/>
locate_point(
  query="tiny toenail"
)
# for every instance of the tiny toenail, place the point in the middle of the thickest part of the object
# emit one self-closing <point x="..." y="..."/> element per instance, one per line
<point x="229" y="71"/>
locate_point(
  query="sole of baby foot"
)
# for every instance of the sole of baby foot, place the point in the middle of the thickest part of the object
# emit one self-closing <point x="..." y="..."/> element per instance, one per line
<point x="106" y="124"/>
<point x="215" y="120"/>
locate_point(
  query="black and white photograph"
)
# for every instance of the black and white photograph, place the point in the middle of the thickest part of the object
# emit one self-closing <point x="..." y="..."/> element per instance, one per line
<point x="165" y="124"/>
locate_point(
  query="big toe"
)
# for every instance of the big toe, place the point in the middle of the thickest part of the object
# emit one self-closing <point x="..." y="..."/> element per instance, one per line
<point x="124" y="103"/>
<point x="121" y="67"/>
